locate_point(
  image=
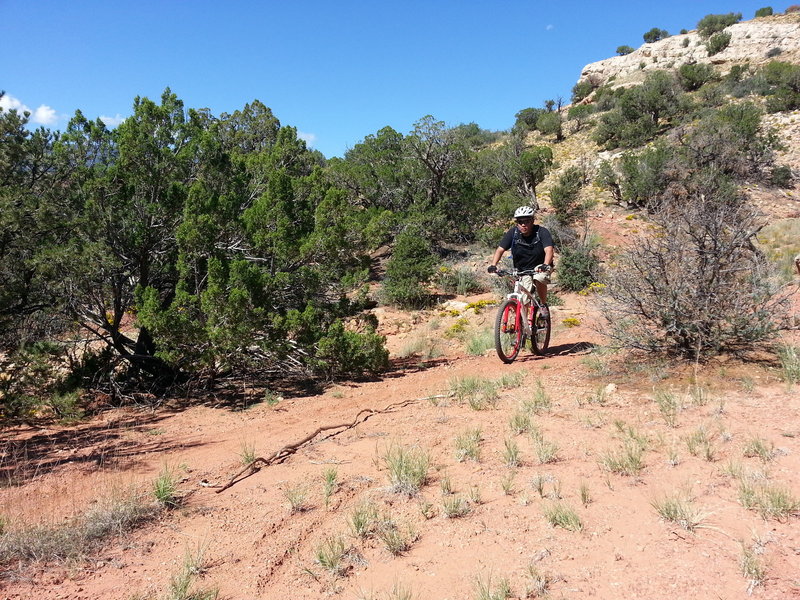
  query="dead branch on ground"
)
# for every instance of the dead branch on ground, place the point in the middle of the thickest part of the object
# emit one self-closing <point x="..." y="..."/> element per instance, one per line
<point x="285" y="452"/>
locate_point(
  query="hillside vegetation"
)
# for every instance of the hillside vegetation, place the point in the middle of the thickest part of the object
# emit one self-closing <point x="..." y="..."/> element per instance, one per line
<point x="235" y="368"/>
<point x="184" y="248"/>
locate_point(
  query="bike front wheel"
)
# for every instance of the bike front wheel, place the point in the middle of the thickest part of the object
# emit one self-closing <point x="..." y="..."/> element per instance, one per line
<point x="540" y="338"/>
<point x="508" y="331"/>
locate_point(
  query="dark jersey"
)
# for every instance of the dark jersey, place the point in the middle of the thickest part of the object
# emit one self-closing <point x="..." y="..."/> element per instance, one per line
<point x="527" y="251"/>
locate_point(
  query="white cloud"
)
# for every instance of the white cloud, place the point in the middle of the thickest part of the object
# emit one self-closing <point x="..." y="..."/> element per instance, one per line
<point x="112" y="121"/>
<point x="550" y="27"/>
<point x="308" y="138"/>
<point x="8" y="102"/>
<point x="44" y="115"/>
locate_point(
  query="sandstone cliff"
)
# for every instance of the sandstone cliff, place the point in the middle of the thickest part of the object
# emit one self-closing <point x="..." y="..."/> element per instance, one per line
<point x="756" y="42"/>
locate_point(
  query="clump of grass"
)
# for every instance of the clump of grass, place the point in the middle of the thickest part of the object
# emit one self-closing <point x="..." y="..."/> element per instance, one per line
<point x="586" y="495"/>
<point x="699" y="444"/>
<point x="539" y="483"/>
<point x="559" y="514"/>
<point x="519" y="422"/>
<point x="752" y="567"/>
<point x="363" y="520"/>
<point x="181" y="584"/>
<point x="668" y="405"/>
<point x="509" y="381"/>
<point x="546" y="451"/>
<point x="395" y="539"/>
<point x="673" y="458"/>
<point x="479" y="342"/>
<point x="408" y="468"/>
<point x="484" y="590"/>
<point x="597" y="363"/>
<point x="539" y="583"/>
<point x="769" y="500"/>
<point x="699" y="395"/>
<point x="114" y="514"/>
<point x="426" y="509"/>
<point x="247" y="453"/>
<point x="507" y="483"/>
<point x="540" y="401"/>
<point x="475" y="494"/>
<point x="454" y="507"/>
<point x="330" y="484"/>
<point x="511" y="453"/>
<point x="296" y="496"/>
<point x="424" y="347"/>
<point x="790" y="363"/>
<point x="165" y="487"/>
<point x="398" y="591"/>
<point x="677" y="508"/>
<point x="330" y="555"/>
<point x="629" y="434"/>
<point x="758" y="447"/>
<point x="468" y="445"/>
<point x="446" y="485"/>
<point x="477" y="392"/>
<point x="599" y="396"/>
<point x="272" y="398"/>
<point x="627" y="460"/>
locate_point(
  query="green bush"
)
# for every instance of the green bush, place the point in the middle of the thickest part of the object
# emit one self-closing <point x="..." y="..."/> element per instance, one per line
<point x="623" y="50"/>
<point x="526" y="118"/>
<point x="580" y="90"/>
<point x="549" y="123"/>
<point x="692" y="77"/>
<point x="344" y="353"/>
<point x="579" y="114"/>
<point x="578" y="266"/>
<point x="564" y="196"/>
<point x="711" y="24"/>
<point x="459" y="280"/>
<point x="784" y="81"/>
<point x="717" y="43"/>
<point x="640" y="112"/>
<point x="782" y="176"/>
<point x="655" y="34"/>
<point x="606" y="98"/>
<point x="409" y="270"/>
<point x="764" y="12"/>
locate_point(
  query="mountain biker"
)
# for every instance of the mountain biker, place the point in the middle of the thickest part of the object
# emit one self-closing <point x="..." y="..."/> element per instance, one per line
<point x="531" y="249"/>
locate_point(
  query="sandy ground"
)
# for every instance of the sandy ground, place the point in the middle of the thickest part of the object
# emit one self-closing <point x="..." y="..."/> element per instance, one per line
<point x="254" y="546"/>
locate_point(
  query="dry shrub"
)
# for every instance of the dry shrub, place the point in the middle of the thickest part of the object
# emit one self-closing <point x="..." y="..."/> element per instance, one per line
<point x="696" y="285"/>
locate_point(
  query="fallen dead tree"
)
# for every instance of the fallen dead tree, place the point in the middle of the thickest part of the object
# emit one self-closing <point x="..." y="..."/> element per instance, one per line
<point x="290" y="449"/>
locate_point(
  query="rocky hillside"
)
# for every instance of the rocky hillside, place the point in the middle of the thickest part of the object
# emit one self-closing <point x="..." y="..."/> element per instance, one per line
<point x="756" y="42"/>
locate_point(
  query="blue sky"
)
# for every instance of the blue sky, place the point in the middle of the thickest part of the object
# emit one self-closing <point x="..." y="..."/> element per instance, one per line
<point x="338" y="71"/>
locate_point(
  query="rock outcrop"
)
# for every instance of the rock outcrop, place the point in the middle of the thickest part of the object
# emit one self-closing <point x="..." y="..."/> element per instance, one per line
<point x="756" y="42"/>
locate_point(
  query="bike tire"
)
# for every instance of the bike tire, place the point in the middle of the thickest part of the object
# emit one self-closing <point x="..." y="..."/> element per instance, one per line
<point x="540" y="336"/>
<point x="508" y="331"/>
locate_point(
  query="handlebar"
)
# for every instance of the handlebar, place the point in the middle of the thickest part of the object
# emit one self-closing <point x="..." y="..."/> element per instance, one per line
<point x="521" y="273"/>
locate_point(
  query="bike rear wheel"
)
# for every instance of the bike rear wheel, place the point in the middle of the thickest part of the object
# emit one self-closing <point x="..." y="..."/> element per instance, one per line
<point x="508" y="331"/>
<point x="540" y="338"/>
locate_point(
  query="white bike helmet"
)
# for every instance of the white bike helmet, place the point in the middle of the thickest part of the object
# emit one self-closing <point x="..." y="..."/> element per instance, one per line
<point x="524" y="211"/>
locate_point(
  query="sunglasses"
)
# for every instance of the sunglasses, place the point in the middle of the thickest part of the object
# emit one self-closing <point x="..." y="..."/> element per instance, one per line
<point x="524" y="221"/>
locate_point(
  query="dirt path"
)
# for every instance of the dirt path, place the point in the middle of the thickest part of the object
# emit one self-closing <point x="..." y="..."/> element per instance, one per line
<point x="591" y="407"/>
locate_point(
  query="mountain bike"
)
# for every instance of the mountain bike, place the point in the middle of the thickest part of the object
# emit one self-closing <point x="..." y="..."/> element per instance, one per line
<point x="517" y="321"/>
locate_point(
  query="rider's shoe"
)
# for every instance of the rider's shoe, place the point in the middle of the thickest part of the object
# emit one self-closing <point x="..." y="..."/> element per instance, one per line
<point x="545" y="311"/>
